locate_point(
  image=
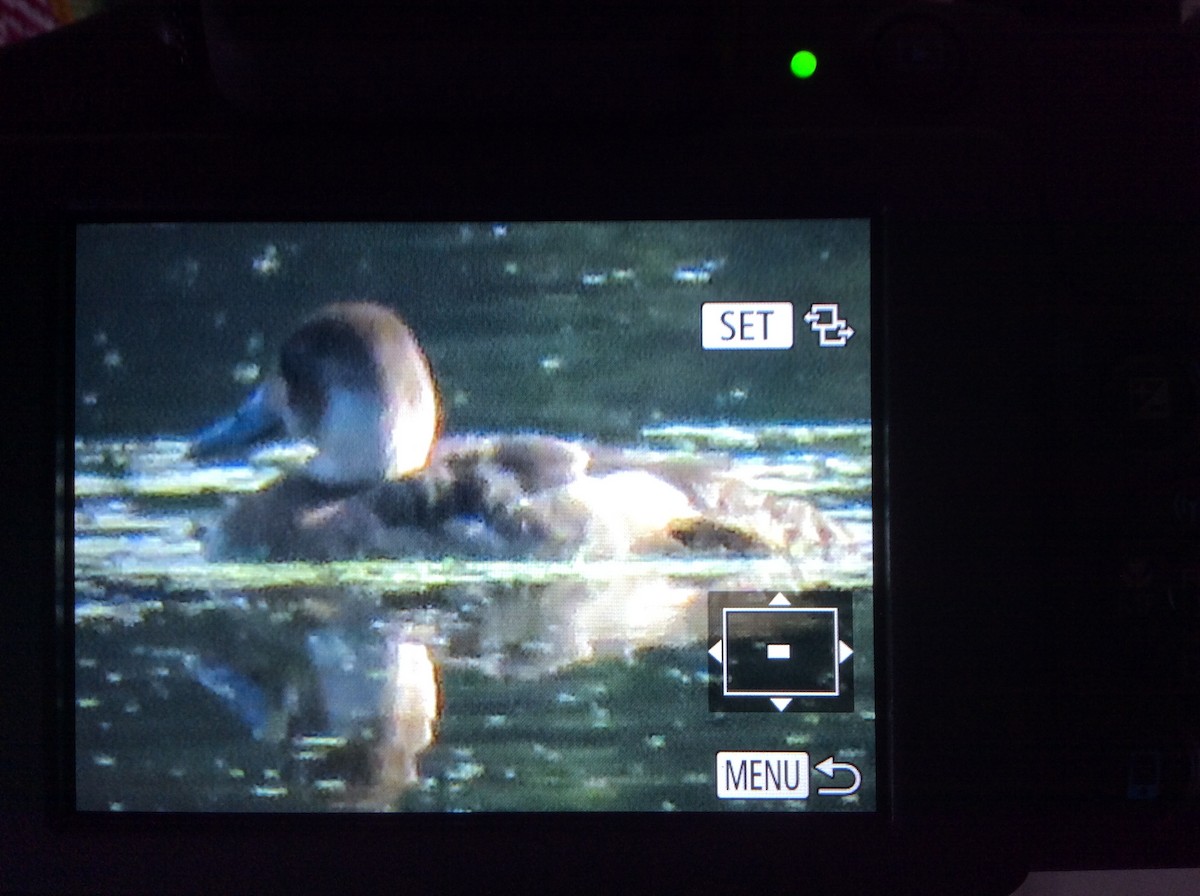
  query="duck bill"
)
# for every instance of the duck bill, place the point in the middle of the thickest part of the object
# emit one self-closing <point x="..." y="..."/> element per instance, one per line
<point x="259" y="419"/>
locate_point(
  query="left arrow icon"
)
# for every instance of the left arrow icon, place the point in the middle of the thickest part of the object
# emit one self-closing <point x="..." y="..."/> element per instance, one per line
<point x="717" y="652"/>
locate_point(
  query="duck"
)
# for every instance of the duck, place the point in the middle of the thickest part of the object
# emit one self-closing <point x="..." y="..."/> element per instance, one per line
<point x="385" y="481"/>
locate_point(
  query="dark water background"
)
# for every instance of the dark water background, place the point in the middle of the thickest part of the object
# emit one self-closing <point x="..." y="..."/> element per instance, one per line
<point x="309" y="687"/>
<point x="167" y="313"/>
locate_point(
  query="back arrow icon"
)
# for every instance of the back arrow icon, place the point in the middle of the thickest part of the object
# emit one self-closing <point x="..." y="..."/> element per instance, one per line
<point x="829" y="768"/>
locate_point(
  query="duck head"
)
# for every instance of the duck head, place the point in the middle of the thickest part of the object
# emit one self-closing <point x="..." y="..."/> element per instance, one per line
<point x="354" y="382"/>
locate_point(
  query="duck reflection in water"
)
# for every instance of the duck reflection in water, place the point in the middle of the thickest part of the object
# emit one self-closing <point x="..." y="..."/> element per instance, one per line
<point x="354" y="382"/>
<point x="353" y="691"/>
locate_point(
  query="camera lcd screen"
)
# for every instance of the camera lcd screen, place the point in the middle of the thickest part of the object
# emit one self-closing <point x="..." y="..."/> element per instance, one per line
<point x="484" y="517"/>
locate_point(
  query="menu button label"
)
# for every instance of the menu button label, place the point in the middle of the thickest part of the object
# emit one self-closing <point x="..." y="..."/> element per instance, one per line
<point x="762" y="776"/>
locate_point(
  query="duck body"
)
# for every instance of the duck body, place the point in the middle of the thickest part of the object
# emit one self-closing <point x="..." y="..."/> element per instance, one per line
<point x="353" y="381"/>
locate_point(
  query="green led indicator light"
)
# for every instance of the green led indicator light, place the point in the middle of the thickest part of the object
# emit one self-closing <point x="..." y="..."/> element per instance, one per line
<point x="804" y="64"/>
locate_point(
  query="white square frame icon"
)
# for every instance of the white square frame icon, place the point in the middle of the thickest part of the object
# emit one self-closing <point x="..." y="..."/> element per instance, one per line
<point x="775" y="648"/>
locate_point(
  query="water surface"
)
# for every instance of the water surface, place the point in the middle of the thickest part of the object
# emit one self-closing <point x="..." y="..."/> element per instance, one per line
<point x="428" y="685"/>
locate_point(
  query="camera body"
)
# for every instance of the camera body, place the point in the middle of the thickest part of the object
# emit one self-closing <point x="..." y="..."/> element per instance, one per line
<point x="1030" y="177"/>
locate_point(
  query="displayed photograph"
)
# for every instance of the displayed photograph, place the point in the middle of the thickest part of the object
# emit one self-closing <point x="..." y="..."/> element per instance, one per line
<point x="472" y="516"/>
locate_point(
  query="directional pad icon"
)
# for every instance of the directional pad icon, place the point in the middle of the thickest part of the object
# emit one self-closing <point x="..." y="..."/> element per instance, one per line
<point x="781" y="652"/>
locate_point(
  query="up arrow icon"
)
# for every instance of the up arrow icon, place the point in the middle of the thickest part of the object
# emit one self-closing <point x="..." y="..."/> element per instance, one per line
<point x="829" y="768"/>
